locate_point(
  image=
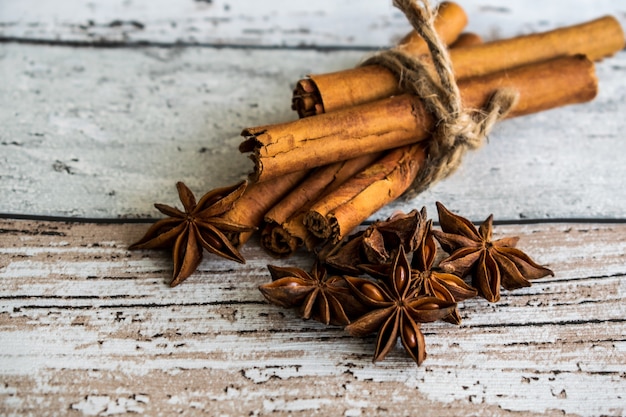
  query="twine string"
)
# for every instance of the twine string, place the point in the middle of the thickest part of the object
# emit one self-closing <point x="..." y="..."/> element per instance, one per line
<point x="457" y="129"/>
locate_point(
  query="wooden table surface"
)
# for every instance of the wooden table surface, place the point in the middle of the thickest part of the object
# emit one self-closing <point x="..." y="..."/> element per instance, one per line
<point x="104" y="105"/>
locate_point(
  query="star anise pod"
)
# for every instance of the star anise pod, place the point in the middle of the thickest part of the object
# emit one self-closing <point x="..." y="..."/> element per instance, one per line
<point x="436" y="283"/>
<point x="196" y="228"/>
<point x="378" y="243"/>
<point x="430" y="281"/>
<point x="397" y="309"/>
<point x="492" y="263"/>
<point x="317" y="295"/>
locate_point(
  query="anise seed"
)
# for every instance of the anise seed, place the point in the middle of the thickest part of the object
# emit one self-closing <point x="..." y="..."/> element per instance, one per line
<point x="213" y="241"/>
<point x="400" y="277"/>
<point x="409" y="336"/>
<point x="371" y="291"/>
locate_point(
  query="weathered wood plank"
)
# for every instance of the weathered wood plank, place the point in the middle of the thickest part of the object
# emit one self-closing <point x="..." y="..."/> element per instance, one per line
<point x="324" y="23"/>
<point x="88" y="328"/>
<point x="277" y="23"/>
<point x="86" y="325"/>
<point x="112" y="130"/>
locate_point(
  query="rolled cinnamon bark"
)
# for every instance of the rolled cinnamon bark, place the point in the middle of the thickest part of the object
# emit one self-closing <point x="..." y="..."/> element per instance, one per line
<point x="340" y="211"/>
<point x="258" y="198"/>
<point x="284" y="231"/>
<point x="597" y="39"/>
<point x="466" y="39"/>
<point x="449" y="23"/>
<point x="402" y="120"/>
<point x="282" y="240"/>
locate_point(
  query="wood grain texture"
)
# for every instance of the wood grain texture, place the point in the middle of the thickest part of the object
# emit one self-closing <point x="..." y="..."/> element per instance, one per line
<point x="91" y="328"/>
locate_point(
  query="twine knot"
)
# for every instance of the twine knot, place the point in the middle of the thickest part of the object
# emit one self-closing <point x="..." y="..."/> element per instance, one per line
<point x="457" y="129"/>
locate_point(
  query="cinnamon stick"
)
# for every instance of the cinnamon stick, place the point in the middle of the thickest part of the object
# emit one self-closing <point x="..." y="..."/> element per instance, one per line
<point x="258" y="198"/>
<point x="597" y="39"/>
<point x="402" y="120"/>
<point x="466" y="39"/>
<point x="284" y="230"/>
<point x="340" y="211"/>
<point x="450" y="21"/>
<point x="357" y="199"/>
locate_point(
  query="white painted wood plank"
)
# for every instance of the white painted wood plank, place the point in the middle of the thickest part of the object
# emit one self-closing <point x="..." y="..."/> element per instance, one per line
<point x="248" y="22"/>
<point x="86" y="325"/>
<point x="108" y="125"/>
<point x="112" y="130"/>
<point x="497" y="19"/>
<point x="323" y="23"/>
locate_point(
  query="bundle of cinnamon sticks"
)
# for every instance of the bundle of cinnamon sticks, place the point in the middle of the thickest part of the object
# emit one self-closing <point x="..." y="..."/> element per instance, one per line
<point x="360" y="142"/>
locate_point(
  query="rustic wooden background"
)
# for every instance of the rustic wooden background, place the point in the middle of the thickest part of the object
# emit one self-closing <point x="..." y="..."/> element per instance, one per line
<point x="105" y="104"/>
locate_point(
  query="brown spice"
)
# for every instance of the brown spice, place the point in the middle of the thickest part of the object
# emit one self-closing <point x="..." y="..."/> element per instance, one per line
<point x="335" y="215"/>
<point x="378" y="243"/>
<point x="467" y="39"/>
<point x="258" y="198"/>
<point x="401" y="295"/>
<point x="316" y="295"/>
<point x="428" y="280"/>
<point x="396" y="310"/>
<point x="437" y="283"/>
<point x="284" y="231"/>
<point x="492" y="263"/>
<point x="199" y="227"/>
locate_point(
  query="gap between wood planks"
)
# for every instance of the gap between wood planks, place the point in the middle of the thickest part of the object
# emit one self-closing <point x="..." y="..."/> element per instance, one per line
<point x="177" y="45"/>
<point x="148" y="220"/>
